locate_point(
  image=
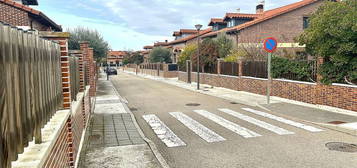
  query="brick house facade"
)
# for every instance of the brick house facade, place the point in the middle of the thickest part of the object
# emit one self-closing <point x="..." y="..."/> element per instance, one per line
<point x="17" y="14"/>
<point x="115" y="57"/>
<point x="284" y="23"/>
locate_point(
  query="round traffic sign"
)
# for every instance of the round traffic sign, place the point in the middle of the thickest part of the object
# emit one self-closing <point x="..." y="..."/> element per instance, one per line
<point x="270" y="44"/>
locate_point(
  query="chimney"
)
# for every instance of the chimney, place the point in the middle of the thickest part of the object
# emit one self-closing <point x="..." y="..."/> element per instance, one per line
<point x="165" y="41"/>
<point x="260" y="7"/>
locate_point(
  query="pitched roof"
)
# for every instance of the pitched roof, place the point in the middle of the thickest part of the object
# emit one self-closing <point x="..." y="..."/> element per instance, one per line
<point x="176" y="33"/>
<point x="188" y="31"/>
<point x="190" y="37"/>
<point x="216" y="20"/>
<point x="157" y="44"/>
<point x="35" y="13"/>
<point x="117" y="53"/>
<point x="269" y="14"/>
<point x="148" y="47"/>
<point x="240" y="15"/>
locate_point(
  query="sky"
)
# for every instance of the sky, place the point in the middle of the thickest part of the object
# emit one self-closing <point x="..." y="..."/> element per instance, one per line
<point x="132" y="24"/>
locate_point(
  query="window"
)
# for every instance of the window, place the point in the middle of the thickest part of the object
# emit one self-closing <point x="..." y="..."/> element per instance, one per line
<point x="231" y="23"/>
<point x="215" y="27"/>
<point x="305" y="22"/>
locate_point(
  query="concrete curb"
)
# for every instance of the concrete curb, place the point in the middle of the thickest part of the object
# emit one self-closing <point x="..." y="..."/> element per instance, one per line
<point x="152" y="146"/>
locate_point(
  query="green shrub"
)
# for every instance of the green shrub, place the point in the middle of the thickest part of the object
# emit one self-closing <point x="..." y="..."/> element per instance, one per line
<point x="291" y="69"/>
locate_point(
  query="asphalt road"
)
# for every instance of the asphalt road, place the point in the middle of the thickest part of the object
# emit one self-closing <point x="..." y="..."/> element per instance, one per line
<point x="303" y="149"/>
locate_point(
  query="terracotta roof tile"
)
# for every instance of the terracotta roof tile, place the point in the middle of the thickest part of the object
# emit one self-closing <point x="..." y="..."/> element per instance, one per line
<point x="160" y="44"/>
<point x="148" y="47"/>
<point x="241" y="15"/>
<point x="188" y="31"/>
<point x="265" y="16"/>
<point x="176" y="33"/>
<point x="216" y="20"/>
<point x="191" y="36"/>
<point x="23" y="7"/>
<point x="117" y="53"/>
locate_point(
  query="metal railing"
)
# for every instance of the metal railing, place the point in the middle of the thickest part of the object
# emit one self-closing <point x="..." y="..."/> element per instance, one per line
<point x="31" y="89"/>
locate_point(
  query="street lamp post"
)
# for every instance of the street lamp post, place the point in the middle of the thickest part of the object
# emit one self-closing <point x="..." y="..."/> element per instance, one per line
<point x="198" y="27"/>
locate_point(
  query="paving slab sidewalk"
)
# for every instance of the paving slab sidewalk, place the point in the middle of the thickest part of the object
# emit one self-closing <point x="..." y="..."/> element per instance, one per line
<point x="112" y="139"/>
<point x="341" y="121"/>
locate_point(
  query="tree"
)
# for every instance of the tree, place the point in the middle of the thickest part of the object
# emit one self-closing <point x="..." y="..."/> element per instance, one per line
<point x="159" y="54"/>
<point x="208" y="53"/>
<point x="95" y="39"/>
<point x="224" y="44"/>
<point x="332" y="34"/>
<point x="186" y="54"/>
<point x="133" y="58"/>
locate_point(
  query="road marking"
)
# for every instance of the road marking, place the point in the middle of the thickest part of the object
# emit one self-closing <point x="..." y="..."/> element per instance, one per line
<point x="163" y="132"/>
<point x="246" y="133"/>
<point x="197" y="128"/>
<point x="283" y="120"/>
<point x="259" y="123"/>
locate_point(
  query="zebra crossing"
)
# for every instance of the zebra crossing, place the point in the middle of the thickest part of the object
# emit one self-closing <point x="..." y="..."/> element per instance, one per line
<point x="170" y="139"/>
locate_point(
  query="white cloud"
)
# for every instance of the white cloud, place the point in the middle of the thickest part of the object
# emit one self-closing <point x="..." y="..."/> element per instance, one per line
<point x="131" y="24"/>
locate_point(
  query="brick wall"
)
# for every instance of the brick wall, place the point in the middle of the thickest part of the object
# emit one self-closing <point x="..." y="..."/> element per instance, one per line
<point x="13" y="16"/>
<point x="58" y="157"/>
<point x="88" y="59"/>
<point x="344" y="97"/>
<point x="66" y="148"/>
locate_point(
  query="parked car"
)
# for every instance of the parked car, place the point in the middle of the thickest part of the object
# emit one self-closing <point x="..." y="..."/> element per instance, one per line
<point x="112" y="71"/>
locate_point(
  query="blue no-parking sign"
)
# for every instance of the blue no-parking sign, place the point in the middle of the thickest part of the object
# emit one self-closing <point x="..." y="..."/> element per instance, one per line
<point x="270" y="44"/>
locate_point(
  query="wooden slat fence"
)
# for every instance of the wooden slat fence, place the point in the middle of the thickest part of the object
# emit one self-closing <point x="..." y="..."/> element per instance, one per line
<point x="31" y="89"/>
<point x="229" y="68"/>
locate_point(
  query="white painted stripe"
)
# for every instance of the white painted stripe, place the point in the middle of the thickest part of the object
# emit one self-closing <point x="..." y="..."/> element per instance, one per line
<point x="283" y="120"/>
<point x="202" y="131"/>
<point x="163" y="132"/>
<point x="259" y="123"/>
<point x="246" y="133"/>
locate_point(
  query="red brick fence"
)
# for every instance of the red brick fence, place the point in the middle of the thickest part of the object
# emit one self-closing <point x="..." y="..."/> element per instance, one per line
<point x="336" y="95"/>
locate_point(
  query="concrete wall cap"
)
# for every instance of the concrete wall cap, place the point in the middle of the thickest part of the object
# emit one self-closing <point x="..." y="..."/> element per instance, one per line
<point x="54" y="34"/>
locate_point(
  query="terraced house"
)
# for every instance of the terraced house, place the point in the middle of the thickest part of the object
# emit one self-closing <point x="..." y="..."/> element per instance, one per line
<point x="115" y="58"/>
<point x="284" y="23"/>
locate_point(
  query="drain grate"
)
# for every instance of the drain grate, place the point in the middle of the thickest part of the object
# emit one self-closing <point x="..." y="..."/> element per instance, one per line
<point x="342" y="147"/>
<point x="336" y="122"/>
<point x="193" y="104"/>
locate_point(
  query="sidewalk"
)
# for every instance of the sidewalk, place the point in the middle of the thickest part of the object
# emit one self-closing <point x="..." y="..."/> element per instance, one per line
<point x="337" y="119"/>
<point x="113" y="139"/>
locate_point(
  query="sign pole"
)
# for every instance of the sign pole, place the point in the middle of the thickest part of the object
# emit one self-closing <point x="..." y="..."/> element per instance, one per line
<point x="269" y="78"/>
